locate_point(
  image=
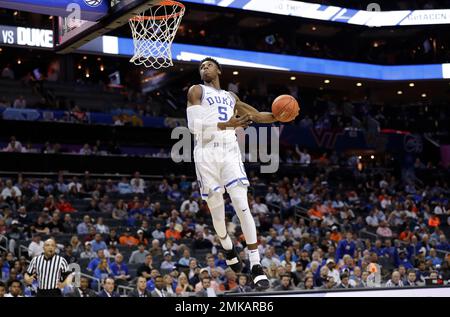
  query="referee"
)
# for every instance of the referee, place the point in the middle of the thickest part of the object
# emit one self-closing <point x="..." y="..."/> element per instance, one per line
<point x="50" y="270"/>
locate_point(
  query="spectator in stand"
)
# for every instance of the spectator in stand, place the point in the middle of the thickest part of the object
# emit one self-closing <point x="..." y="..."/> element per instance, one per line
<point x="185" y="258"/>
<point x="98" y="243"/>
<point x="2" y="289"/>
<point x="272" y="197"/>
<point x="83" y="291"/>
<point x="172" y="233"/>
<point x="105" y="205"/>
<point x="103" y="270"/>
<point x="405" y="235"/>
<point x="69" y="255"/>
<point x="243" y="286"/>
<point x="190" y="206"/>
<point x="83" y="227"/>
<point x="167" y="264"/>
<point x="7" y="72"/>
<point x="141" y="238"/>
<point x="120" y="270"/>
<point x="345" y="281"/>
<point x="411" y="278"/>
<point x="315" y="213"/>
<point x="230" y="283"/>
<point x="156" y="249"/>
<point x="372" y="219"/>
<point x="269" y="259"/>
<point x="146" y="268"/>
<point x="328" y="284"/>
<point x="120" y="211"/>
<point x="336" y="236"/>
<point x="151" y="282"/>
<point x="127" y="239"/>
<point x="285" y="283"/>
<point x="36" y="246"/>
<point x="137" y="184"/>
<point x="259" y="208"/>
<point x="346" y="246"/>
<point x="10" y="193"/>
<point x="85" y="150"/>
<point x="206" y="289"/>
<point x="333" y="271"/>
<point x="174" y="194"/>
<point x="433" y="258"/>
<point x="138" y="256"/>
<point x="110" y="187"/>
<point x="63" y="205"/>
<point x="108" y="288"/>
<point x="443" y="244"/>
<point x="384" y="231"/>
<point x="15" y="288"/>
<point x="75" y="186"/>
<point x="76" y="244"/>
<point x="68" y="226"/>
<point x="124" y="187"/>
<point x="112" y="238"/>
<point x="141" y="288"/>
<point x="100" y="227"/>
<point x="183" y="285"/>
<point x="95" y="261"/>
<point x="395" y="280"/>
<point x="308" y="283"/>
<point x="20" y="103"/>
<point x="145" y="227"/>
<point x="40" y="226"/>
<point x="434" y="221"/>
<point x="160" y="288"/>
<point x="170" y="283"/>
<point x="14" y="146"/>
<point x="88" y="253"/>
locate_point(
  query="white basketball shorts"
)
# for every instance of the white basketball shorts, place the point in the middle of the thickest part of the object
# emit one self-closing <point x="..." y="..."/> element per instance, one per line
<point x="218" y="167"/>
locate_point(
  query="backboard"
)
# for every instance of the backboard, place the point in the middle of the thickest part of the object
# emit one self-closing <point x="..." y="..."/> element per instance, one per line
<point x="72" y="32"/>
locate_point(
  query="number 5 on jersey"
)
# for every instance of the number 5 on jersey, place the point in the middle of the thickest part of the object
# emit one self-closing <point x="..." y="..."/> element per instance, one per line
<point x="223" y="113"/>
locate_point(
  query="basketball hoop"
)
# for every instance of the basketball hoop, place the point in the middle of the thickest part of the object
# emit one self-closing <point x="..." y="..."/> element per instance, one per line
<point x="153" y="33"/>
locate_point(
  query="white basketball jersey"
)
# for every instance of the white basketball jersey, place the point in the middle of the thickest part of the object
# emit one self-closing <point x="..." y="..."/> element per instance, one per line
<point x="218" y="106"/>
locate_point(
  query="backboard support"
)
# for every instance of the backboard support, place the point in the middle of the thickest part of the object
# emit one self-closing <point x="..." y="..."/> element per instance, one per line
<point x="68" y="38"/>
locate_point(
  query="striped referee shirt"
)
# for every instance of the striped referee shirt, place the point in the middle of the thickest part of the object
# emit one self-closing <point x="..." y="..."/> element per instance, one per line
<point x="48" y="271"/>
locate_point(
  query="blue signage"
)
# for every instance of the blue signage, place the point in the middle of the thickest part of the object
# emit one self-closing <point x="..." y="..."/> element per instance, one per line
<point x="90" y="10"/>
<point x="195" y="53"/>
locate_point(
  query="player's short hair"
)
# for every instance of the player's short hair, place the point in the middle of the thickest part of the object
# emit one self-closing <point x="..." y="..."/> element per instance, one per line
<point x="14" y="281"/>
<point x="210" y="59"/>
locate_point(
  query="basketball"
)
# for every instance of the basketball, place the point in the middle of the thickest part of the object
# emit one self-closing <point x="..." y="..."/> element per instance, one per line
<point x="285" y="108"/>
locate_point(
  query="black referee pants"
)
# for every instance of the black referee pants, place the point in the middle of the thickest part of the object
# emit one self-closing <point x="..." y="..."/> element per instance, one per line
<point x="56" y="292"/>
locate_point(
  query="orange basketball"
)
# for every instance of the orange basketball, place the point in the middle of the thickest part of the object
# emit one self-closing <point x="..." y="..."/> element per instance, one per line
<point x="285" y="108"/>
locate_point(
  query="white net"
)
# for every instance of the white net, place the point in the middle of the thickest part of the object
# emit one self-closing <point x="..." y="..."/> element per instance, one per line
<point x="153" y="33"/>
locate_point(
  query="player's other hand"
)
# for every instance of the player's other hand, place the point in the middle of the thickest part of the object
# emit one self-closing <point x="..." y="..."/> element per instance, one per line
<point x="236" y="122"/>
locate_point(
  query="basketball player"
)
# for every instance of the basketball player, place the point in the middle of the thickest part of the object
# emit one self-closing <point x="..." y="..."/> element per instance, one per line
<point x="213" y="115"/>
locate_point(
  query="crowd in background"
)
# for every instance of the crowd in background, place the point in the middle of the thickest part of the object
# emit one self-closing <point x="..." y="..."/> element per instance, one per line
<point x="314" y="233"/>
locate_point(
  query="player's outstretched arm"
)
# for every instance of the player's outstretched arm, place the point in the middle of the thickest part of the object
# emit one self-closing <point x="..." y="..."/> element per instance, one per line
<point x="255" y="115"/>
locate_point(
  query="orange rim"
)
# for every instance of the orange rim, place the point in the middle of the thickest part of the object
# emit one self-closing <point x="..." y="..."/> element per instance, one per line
<point x="162" y="17"/>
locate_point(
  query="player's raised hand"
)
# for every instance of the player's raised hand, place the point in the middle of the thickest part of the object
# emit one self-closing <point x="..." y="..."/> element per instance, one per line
<point x="236" y="122"/>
